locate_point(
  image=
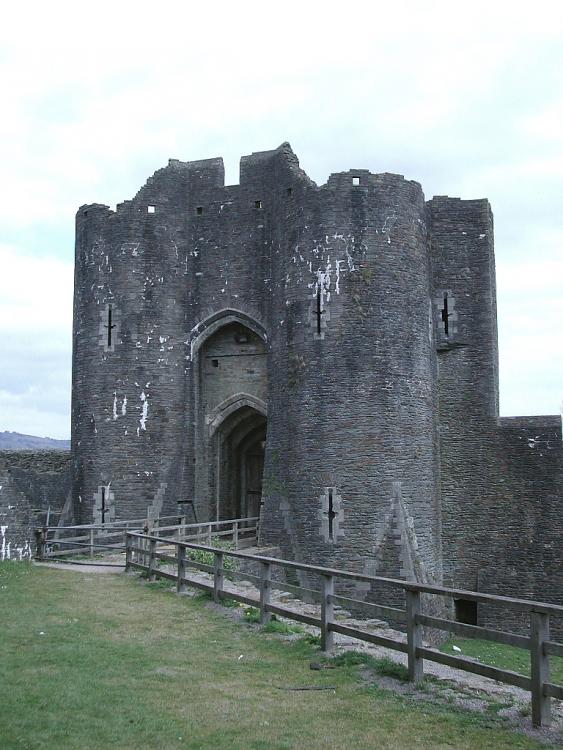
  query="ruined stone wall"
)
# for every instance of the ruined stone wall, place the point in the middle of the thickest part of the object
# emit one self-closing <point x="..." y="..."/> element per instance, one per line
<point x="129" y="396"/>
<point x="503" y="530"/>
<point x="349" y="410"/>
<point x="31" y="482"/>
<point x="463" y="272"/>
<point x="501" y="482"/>
<point x="358" y="399"/>
<point x="377" y="315"/>
<point x="521" y="556"/>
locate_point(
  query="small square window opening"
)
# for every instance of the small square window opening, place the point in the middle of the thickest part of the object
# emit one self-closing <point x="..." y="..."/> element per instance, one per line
<point x="215" y="363"/>
<point x="151" y="209"/>
<point x="257" y="204"/>
<point x="289" y="191"/>
<point x="355" y="180"/>
<point x="199" y="210"/>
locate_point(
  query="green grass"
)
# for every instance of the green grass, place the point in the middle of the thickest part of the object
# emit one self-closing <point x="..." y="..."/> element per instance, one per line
<point x="499" y="655"/>
<point x="382" y="666"/>
<point x="281" y="628"/>
<point x="252" y="615"/>
<point x="91" y="662"/>
<point x="230" y="564"/>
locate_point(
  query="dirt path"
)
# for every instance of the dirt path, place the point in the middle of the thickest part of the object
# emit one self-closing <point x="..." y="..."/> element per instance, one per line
<point x="83" y="567"/>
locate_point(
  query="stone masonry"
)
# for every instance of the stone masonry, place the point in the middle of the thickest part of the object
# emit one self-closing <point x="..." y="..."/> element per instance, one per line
<point x="33" y="485"/>
<point x="322" y="356"/>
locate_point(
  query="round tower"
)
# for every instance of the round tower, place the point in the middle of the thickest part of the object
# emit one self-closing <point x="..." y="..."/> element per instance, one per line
<point x="353" y="480"/>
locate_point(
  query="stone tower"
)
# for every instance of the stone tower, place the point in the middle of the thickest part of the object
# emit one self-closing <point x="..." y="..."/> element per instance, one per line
<point x="324" y="357"/>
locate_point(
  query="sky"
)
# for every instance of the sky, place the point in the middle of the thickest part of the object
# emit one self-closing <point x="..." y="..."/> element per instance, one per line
<point x="467" y="99"/>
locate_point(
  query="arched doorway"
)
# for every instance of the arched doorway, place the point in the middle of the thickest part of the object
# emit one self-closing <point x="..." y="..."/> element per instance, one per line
<point x="239" y="445"/>
<point x="231" y="422"/>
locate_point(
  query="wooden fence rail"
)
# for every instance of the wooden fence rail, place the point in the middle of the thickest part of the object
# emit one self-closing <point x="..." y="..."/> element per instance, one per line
<point x="142" y="553"/>
<point x="64" y="541"/>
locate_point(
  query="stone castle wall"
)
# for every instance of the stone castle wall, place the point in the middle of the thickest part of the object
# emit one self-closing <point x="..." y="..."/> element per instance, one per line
<point x="371" y="348"/>
<point x="348" y="410"/>
<point x="31" y="483"/>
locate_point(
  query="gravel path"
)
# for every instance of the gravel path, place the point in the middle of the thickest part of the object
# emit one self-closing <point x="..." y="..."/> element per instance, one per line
<point x="83" y="567"/>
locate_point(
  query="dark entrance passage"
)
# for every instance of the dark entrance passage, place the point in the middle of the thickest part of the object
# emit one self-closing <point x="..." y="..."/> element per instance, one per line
<point x="254" y="469"/>
<point x="239" y="446"/>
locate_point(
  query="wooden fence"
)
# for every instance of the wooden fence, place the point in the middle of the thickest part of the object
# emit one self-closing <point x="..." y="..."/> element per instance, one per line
<point x="54" y="542"/>
<point x="143" y="551"/>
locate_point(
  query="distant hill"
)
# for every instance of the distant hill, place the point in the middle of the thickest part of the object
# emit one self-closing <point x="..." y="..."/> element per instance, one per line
<point x="15" y="441"/>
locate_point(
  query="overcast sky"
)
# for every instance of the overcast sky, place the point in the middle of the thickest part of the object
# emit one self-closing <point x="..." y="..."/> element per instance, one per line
<point x="465" y="98"/>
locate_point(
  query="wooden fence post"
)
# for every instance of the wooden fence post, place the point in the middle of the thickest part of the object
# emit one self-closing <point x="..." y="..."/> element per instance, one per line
<point x="128" y="545"/>
<point x="218" y="577"/>
<point x="152" y="556"/>
<point x="144" y="543"/>
<point x="414" y="637"/>
<point x="92" y="542"/>
<point x="39" y="544"/>
<point x="235" y="534"/>
<point x="180" y="585"/>
<point x="265" y="589"/>
<point x="541" y="703"/>
<point x="327" y="612"/>
<point x="209" y="534"/>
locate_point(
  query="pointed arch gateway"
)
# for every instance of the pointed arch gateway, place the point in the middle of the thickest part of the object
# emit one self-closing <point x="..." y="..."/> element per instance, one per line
<point x="231" y="426"/>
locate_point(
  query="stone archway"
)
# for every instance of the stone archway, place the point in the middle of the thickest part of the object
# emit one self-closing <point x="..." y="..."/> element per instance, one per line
<point x="231" y="419"/>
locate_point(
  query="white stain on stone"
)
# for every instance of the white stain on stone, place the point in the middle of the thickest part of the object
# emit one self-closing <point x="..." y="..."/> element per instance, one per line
<point x="387" y="226"/>
<point x="124" y="406"/>
<point x="337" y="269"/>
<point x="114" y="406"/>
<point x="144" y="412"/>
<point x="5" y="554"/>
<point x="350" y="261"/>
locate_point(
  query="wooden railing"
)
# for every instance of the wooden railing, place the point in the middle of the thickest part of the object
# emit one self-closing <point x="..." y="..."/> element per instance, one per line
<point x="88" y="539"/>
<point x="241" y="531"/>
<point x="143" y="553"/>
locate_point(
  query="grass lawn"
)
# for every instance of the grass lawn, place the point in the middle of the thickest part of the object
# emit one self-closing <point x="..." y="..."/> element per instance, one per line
<point x="505" y="657"/>
<point x="104" y="661"/>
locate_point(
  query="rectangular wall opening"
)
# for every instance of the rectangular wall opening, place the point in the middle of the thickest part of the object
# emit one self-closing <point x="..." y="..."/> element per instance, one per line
<point x="465" y="611"/>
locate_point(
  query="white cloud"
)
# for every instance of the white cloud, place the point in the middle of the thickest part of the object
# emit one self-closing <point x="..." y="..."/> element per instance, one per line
<point x="530" y="306"/>
<point x="35" y="296"/>
<point x="35" y="327"/>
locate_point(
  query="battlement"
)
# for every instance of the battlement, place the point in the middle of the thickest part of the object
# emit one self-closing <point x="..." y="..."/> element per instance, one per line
<point x="182" y="183"/>
<point x="442" y="206"/>
<point x="90" y="209"/>
<point x="535" y="430"/>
